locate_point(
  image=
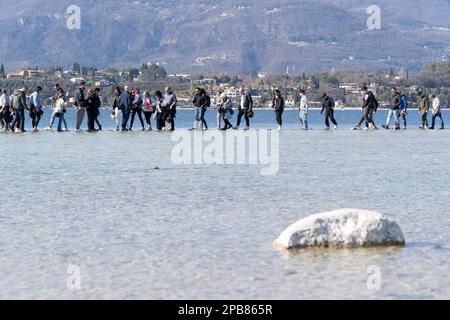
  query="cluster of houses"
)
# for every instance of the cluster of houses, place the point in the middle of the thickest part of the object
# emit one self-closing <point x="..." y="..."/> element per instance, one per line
<point x="99" y="78"/>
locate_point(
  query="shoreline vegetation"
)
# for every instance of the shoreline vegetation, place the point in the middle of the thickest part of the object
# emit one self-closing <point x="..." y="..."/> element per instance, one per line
<point x="343" y="85"/>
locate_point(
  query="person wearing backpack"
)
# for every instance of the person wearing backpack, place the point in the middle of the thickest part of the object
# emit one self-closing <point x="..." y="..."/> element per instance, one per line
<point x="404" y="111"/>
<point x="328" y="105"/>
<point x="394" y="109"/>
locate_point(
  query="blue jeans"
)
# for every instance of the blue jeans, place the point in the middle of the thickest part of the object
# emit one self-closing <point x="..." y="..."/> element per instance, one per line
<point x="394" y="113"/>
<point x="53" y="118"/>
<point x="304" y="119"/>
<point x="433" y="120"/>
<point x="57" y="115"/>
<point x="61" y="120"/>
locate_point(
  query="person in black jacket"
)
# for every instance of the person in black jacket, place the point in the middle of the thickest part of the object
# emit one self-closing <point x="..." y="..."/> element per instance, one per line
<point x="245" y="109"/>
<point x="201" y="103"/>
<point x="126" y="102"/>
<point x="80" y="104"/>
<point x="369" y="108"/>
<point x="394" y="109"/>
<point x="93" y="106"/>
<point x="278" y="105"/>
<point x="161" y="111"/>
<point x="98" y="105"/>
<point x="328" y="106"/>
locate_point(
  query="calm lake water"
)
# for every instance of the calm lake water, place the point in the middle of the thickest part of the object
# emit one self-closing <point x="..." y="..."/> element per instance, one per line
<point x="206" y="232"/>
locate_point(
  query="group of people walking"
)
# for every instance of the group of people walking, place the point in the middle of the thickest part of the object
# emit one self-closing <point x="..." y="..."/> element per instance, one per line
<point x="131" y="104"/>
<point x="13" y="108"/>
<point x="224" y="107"/>
<point x="398" y="110"/>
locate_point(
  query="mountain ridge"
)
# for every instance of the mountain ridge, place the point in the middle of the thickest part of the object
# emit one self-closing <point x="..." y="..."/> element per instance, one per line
<point x="229" y="36"/>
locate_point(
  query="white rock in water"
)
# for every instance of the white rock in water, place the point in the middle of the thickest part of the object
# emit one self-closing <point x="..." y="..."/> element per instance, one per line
<point x="345" y="228"/>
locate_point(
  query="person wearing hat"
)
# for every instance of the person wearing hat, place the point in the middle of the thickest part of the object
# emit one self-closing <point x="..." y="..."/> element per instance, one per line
<point x="328" y="106"/>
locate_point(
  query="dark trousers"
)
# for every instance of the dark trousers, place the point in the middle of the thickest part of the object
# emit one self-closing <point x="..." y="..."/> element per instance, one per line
<point x="279" y="116"/>
<point x="425" y="119"/>
<point x="228" y="124"/>
<point x="92" y="116"/>
<point x="171" y="119"/>
<point x="368" y="116"/>
<point x="6" y="117"/>
<point x="405" y="122"/>
<point x="97" y="114"/>
<point x="125" y="117"/>
<point x="138" y="111"/>
<point x="160" y="121"/>
<point x="433" y="120"/>
<point x="202" y="118"/>
<point x="239" y="118"/>
<point x="35" y="118"/>
<point x="19" y="121"/>
<point x="329" y="116"/>
<point x="148" y="117"/>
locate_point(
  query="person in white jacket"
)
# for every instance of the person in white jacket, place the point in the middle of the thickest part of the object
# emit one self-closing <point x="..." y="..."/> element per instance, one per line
<point x="4" y="108"/>
<point x="60" y="109"/>
<point x="437" y="111"/>
<point x="304" y="109"/>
